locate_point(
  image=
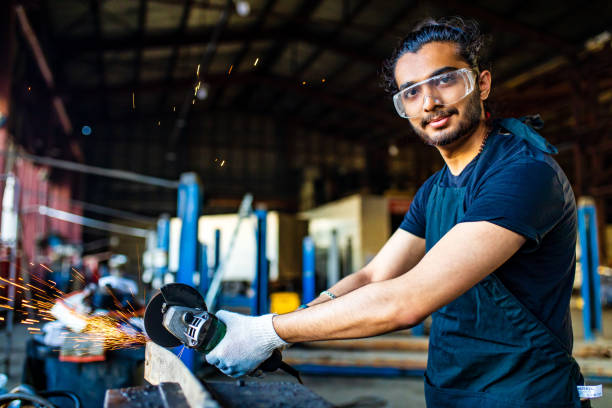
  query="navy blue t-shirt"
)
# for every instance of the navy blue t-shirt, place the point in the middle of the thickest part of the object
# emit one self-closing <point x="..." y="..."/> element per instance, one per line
<point x="519" y="187"/>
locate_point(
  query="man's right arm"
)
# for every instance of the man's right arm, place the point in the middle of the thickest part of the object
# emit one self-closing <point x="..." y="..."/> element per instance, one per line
<point x="399" y="255"/>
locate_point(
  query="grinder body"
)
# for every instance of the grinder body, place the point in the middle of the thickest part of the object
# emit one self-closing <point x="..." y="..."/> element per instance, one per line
<point x="195" y="328"/>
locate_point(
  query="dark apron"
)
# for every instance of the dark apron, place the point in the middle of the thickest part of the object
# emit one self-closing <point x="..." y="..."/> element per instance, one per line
<point x="486" y="349"/>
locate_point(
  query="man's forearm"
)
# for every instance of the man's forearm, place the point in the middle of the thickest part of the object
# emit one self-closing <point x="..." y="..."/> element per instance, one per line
<point x="453" y="266"/>
<point x="366" y="311"/>
<point x="344" y="286"/>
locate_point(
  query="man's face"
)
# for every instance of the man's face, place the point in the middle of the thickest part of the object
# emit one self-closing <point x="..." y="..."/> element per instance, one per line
<point x="441" y="125"/>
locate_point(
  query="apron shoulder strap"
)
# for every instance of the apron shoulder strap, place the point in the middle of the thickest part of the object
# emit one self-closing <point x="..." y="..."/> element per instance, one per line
<point x="518" y="128"/>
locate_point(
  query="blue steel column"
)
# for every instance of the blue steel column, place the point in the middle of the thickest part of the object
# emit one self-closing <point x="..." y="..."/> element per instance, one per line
<point x="188" y="212"/>
<point x="589" y="260"/>
<point x="163" y="244"/>
<point x="203" y="268"/>
<point x="217" y="259"/>
<point x="260" y="283"/>
<point x="308" y="270"/>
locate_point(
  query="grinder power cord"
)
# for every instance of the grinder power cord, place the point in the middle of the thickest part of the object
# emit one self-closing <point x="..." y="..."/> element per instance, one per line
<point x="178" y="316"/>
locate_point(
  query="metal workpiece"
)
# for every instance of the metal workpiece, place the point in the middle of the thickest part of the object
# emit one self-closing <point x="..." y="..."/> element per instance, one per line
<point x="265" y="395"/>
<point x="162" y="366"/>
<point x="164" y="395"/>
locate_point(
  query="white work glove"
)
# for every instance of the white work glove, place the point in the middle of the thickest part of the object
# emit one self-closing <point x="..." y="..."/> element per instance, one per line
<point x="248" y="342"/>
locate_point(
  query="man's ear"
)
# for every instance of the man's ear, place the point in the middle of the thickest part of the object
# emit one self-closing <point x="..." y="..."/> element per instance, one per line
<point x="484" y="84"/>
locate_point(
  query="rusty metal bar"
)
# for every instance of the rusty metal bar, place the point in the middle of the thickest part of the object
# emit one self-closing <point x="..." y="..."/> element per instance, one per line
<point x="43" y="66"/>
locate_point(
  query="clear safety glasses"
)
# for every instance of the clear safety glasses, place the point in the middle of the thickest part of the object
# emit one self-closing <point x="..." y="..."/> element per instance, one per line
<point x="444" y="89"/>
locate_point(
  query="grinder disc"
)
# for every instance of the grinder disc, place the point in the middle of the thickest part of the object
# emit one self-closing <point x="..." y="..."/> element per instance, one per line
<point x="153" y="323"/>
<point x="179" y="294"/>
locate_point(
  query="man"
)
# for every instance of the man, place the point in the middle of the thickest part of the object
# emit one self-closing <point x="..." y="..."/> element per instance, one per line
<point x="487" y="247"/>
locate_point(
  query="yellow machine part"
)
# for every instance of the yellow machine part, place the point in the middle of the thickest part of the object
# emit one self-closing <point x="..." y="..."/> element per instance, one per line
<point x="284" y="302"/>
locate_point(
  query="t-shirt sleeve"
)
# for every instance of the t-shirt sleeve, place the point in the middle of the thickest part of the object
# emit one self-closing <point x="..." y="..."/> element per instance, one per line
<point x="414" y="220"/>
<point x="526" y="198"/>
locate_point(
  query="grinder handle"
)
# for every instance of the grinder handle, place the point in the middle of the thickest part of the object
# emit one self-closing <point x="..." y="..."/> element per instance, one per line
<point x="273" y="362"/>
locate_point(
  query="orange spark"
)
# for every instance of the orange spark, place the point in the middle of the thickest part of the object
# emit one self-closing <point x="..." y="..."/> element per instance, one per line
<point x="46" y="267"/>
<point x="13" y="283"/>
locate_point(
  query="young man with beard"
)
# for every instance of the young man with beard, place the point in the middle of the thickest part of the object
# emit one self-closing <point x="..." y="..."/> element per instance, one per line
<point x="487" y="247"/>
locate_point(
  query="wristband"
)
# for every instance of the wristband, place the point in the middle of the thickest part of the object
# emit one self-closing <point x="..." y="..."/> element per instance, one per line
<point x="303" y="306"/>
<point x="328" y="293"/>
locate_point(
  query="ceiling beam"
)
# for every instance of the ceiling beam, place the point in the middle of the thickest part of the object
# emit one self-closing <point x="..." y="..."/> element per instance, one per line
<point x="303" y="11"/>
<point x="204" y="63"/>
<point x="396" y="17"/>
<point x="246" y="45"/>
<point x="348" y="17"/>
<point x="43" y="67"/>
<point x="311" y="34"/>
<point x="270" y="81"/>
<point x="507" y="24"/>
<point x="142" y="18"/>
<point x="179" y="33"/>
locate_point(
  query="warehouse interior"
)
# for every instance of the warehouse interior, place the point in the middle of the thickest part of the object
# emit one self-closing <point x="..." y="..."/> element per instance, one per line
<point x="248" y="149"/>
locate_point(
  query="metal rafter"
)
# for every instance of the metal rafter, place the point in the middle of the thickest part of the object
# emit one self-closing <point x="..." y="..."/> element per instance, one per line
<point x="303" y="11"/>
<point x="255" y="27"/>
<point x="206" y="58"/>
<point x="284" y="84"/>
<point x="506" y="23"/>
<point x="298" y="31"/>
<point x="97" y="24"/>
<point x="94" y="6"/>
<point x="142" y="17"/>
<point x="348" y="16"/>
<point x="396" y="18"/>
<point x="175" y="52"/>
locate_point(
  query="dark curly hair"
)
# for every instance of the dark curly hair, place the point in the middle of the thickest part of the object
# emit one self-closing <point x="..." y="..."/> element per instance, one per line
<point x="473" y="46"/>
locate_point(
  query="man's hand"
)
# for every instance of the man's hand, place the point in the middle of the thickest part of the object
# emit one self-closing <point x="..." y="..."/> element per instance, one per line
<point x="248" y="342"/>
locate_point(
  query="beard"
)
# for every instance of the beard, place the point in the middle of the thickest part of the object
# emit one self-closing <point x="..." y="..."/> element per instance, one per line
<point x="465" y="127"/>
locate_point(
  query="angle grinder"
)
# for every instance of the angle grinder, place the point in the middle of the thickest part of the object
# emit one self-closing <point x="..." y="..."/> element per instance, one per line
<point x="177" y="315"/>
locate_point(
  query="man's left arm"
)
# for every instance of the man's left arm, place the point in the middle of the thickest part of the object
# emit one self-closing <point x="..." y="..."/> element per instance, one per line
<point x="462" y="258"/>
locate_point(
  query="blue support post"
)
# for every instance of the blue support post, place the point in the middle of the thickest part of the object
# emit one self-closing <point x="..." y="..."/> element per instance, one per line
<point x="308" y="270"/>
<point x="163" y="243"/>
<point x="188" y="212"/>
<point x="217" y="259"/>
<point x="589" y="260"/>
<point x="203" y="268"/>
<point x="260" y="283"/>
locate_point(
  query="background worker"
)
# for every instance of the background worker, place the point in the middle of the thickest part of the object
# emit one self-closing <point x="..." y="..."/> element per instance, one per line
<point x="487" y="247"/>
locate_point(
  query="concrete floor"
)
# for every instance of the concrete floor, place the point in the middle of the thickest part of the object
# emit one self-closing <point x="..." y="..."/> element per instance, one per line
<point x="347" y="392"/>
<point x="19" y="338"/>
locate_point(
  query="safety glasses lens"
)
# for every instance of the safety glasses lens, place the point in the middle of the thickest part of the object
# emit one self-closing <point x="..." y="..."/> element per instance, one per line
<point x="444" y="89"/>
